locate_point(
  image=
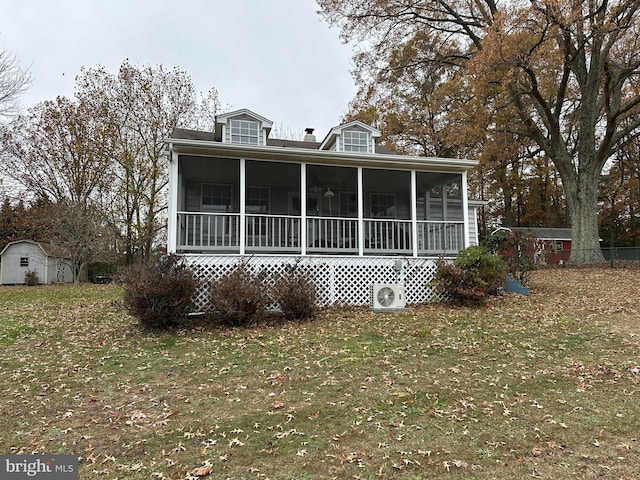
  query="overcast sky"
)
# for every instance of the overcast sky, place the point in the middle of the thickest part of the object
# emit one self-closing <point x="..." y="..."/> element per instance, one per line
<point x="275" y="57"/>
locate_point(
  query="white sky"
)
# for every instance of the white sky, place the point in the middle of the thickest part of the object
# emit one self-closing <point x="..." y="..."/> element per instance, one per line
<point x="277" y="58"/>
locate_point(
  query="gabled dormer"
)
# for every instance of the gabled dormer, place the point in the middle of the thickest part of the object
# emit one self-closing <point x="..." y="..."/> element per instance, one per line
<point x="352" y="137"/>
<point x="242" y="127"/>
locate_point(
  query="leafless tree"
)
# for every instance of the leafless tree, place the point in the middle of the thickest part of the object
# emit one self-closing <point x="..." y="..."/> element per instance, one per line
<point x="14" y="81"/>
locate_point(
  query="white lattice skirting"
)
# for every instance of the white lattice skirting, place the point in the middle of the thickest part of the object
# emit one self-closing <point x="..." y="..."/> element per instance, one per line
<point x="340" y="280"/>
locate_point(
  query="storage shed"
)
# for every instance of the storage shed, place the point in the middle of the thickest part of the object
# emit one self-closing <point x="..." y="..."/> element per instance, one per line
<point x="553" y="244"/>
<point x="50" y="264"/>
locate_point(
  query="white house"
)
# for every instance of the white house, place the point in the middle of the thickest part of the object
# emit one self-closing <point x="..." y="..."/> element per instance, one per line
<point x="50" y="264"/>
<point x="343" y="207"/>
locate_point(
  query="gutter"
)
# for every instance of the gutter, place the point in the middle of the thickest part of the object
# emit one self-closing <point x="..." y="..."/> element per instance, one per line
<point x="328" y="157"/>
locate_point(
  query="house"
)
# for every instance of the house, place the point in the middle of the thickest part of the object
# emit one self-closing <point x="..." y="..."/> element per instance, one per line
<point x="344" y="208"/>
<point x="50" y="264"/>
<point x="553" y="245"/>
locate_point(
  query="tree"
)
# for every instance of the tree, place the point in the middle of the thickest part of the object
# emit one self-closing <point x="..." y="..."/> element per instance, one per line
<point x="144" y="105"/>
<point x="60" y="151"/>
<point x="14" y="81"/>
<point x="567" y="68"/>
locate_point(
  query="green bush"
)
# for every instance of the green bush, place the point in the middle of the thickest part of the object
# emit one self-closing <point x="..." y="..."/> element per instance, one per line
<point x="295" y="292"/>
<point x="159" y="295"/>
<point x="473" y="275"/>
<point x="239" y="295"/>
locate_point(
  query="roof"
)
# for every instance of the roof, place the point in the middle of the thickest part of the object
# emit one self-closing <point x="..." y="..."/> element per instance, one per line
<point x="186" y="134"/>
<point x="48" y="249"/>
<point x="543" y="233"/>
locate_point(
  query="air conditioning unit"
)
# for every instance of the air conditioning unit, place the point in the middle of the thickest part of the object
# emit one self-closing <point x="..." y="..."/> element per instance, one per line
<point x="386" y="297"/>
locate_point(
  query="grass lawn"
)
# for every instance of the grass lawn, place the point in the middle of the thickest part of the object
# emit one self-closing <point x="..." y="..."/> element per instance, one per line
<point x="545" y="386"/>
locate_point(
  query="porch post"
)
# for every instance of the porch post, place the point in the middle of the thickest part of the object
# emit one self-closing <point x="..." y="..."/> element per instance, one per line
<point x="303" y="209"/>
<point x="172" y="224"/>
<point x="243" y="189"/>
<point x="465" y="209"/>
<point x="414" y="213"/>
<point x="360" y="212"/>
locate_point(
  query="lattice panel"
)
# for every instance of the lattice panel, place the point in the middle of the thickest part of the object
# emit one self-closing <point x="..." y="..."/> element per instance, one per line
<point x="340" y="280"/>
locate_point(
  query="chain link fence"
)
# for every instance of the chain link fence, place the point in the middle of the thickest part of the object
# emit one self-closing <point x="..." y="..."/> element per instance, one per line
<point x="615" y="257"/>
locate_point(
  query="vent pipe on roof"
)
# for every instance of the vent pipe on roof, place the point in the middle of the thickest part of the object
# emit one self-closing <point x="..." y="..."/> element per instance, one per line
<point x="308" y="135"/>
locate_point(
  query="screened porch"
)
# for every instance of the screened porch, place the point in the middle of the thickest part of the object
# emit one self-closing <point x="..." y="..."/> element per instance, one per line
<point x="238" y="206"/>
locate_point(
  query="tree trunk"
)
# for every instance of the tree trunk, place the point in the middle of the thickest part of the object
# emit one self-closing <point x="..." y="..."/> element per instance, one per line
<point x="582" y="200"/>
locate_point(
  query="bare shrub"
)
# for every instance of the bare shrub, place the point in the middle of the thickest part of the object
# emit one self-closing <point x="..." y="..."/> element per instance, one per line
<point x="239" y="295"/>
<point x="295" y="292"/>
<point x="159" y="294"/>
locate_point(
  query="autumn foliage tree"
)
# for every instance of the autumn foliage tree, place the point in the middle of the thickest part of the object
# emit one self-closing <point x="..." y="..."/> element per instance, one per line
<point x="144" y="105"/>
<point x="99" y="157"/>
<point x="567" y="70"/>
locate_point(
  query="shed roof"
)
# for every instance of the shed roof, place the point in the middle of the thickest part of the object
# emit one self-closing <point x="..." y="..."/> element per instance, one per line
<point x="48" y="249"/>
<point x="544" y="233"/>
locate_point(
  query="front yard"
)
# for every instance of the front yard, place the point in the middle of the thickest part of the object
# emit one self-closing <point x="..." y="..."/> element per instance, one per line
<point x="546" y="386"/>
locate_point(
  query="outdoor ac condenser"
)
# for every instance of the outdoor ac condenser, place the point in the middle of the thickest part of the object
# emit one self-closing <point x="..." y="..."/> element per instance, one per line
<point x="390" y="296"/>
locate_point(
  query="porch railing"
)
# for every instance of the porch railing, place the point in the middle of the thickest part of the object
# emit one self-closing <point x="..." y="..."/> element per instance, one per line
<point x="204" y="231"/>
<point x="208" y="231"/>
<point x="438" y="238"/>
<point x="272" y="232"/>
<point x="332" y="234"/>
<point x="384" y="236"/>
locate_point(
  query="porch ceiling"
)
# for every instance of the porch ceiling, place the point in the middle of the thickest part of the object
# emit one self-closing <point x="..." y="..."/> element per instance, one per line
<point x="287" y="154"/>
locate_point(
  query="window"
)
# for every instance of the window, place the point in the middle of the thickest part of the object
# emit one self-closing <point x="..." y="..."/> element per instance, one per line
<point x="355" y="141"/>
<point x="216" y="198"/>
<point x="348" y="204"/>
<point x="24" y="261"/>
<point x="258" y="199"/>
<point x="244" y="132"/>
<point x="383" y="205"/>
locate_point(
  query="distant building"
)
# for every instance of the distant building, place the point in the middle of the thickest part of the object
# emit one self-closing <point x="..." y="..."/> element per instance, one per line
<point x="553" y="245"/>
<point x="50" y="264"/>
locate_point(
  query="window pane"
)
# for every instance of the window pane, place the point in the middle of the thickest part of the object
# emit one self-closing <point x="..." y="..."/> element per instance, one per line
<point x="383" y="205"/>
<point x="355" y="141"/>
<point x="258" y="199"/>
<point x="244" y="132"/>
<point x="216" y="197"/>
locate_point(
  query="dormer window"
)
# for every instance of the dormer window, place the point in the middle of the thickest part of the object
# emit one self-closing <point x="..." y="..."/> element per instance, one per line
<point x="245" y="132"/>
<point x="356" y="141"/>
<point x="352" y="137"/>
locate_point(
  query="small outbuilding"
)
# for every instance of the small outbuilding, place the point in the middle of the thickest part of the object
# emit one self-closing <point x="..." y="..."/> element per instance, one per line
<point x="553" y="245"/>
<point x="49" y="263"/>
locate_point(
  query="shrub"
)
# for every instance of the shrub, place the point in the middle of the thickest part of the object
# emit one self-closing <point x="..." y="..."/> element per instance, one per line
<point x="239" y="295"/>
<point x="473" y="275"/>
<point x="295" y="292"/>
<point x="30" y="278"/>
<point x="159" y="295"/>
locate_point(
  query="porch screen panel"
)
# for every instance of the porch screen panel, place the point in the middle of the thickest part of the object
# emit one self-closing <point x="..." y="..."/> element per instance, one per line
<point x="272" y="206"/>
<point x="210" y="203"/>
<point x="387" y="211"/>
<point x="439" y="213"/>
<point x="332" y="209"/>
